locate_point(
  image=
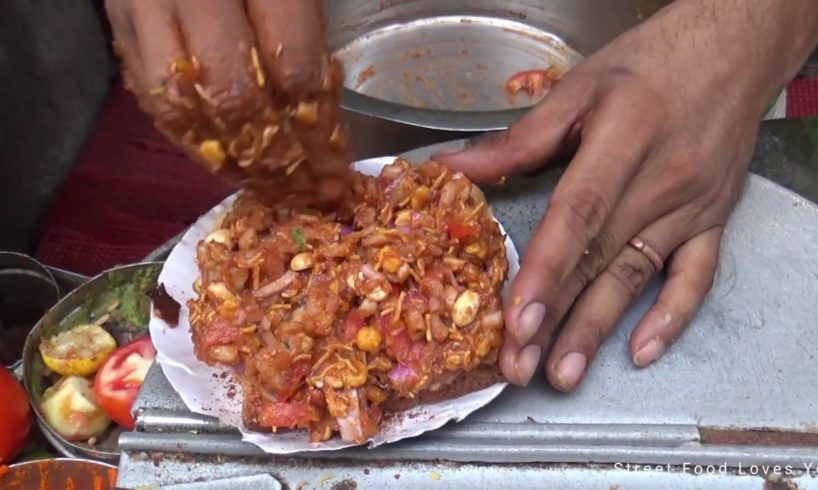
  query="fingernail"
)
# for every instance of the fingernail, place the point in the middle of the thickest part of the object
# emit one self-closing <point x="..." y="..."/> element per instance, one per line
<point x="529" y="322"/>
<point x="649" y="352"/>
<point x="570" y="369"/>
<point x="527" y="361"/>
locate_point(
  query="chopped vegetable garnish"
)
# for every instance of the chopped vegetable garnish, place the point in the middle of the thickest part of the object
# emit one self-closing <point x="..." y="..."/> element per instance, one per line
<point x="299" y="239"/>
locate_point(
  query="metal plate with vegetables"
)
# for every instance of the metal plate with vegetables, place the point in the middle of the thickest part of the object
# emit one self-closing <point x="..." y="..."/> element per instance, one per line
<point x="84" y="362"/>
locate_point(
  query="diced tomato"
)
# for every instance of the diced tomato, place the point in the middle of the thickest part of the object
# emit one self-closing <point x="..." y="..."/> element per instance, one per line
<point x="353" y="323"/>
<point x="459" y="230"/>
<point x="532" y="82"/>
<point x="399" y="345"/>
<point x="119" y="378"/>
<point x="276" y="360"/>
<point x="220" y="332"/>
<point x="437" y="272"/>
<point x="286" y="414"/>
<point x="293" y="378"/>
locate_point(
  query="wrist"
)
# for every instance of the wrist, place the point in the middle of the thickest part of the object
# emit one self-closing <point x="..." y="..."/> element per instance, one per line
<point x="769" y="40"/>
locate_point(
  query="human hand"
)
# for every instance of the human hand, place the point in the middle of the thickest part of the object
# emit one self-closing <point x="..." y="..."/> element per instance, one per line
<point x="665" y="132"/>
<point x="246" y="88"/>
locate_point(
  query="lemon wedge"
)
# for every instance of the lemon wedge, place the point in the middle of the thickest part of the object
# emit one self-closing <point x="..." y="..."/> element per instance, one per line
<point x="77" y="352"/>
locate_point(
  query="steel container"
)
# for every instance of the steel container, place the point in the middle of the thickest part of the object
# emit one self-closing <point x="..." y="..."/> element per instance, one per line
<point x="34" y="374"/>
<point x="425" y="71"/>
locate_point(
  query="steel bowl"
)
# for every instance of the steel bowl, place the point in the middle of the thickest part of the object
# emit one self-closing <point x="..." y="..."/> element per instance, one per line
<point x="35" y="378"/>
<point x="59" y="473"/>
<point x="27" y="290"/>
<point x="425" y="71"/>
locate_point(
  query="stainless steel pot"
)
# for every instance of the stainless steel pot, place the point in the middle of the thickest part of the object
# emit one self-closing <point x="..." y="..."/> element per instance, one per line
<point x="424" y="71"/>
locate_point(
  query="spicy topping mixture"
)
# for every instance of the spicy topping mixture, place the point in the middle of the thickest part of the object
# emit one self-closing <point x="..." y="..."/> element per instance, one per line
<point x="329" y="316"/>
<point x="256" y="140"/>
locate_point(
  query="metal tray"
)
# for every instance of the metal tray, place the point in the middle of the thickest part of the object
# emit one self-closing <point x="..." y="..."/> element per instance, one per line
<point x="737" y="390"/>
<point x="32" y="373"/>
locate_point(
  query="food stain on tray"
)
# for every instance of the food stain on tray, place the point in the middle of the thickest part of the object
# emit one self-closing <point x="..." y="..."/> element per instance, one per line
<point x="365" y="75"/>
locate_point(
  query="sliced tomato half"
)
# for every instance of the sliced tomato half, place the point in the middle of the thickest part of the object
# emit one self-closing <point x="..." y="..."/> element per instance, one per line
<point x="119" y="378"/>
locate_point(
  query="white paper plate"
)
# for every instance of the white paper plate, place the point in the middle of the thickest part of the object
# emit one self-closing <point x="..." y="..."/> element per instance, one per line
<point x="212" y="391"/>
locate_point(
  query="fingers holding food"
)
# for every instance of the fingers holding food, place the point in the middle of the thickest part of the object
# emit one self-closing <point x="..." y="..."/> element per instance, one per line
<point x="216" y="80"/>
<point x="156" y="64"/>
<point x="292" y="45"/>
<point x="124" y="43"/>
<point x="308" y="84"/>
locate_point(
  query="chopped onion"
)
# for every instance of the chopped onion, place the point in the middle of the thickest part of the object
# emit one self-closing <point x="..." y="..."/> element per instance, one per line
<point x="241" y="317"/>
<point x="493" y="319"/>
<point x="367" y="308"/>
<point x="447" y="194"/>
<point x="371" y="273"/>
<point x="404" y="271"/>
<point x="351" y="425"/>
<point x="405" y="229"/>
<point x="401" y="374"/>
<point x="391" y="171"/>
<point x="376" y="240"/>
<point x="346" y="230"/>
<point x="276" y="286"/>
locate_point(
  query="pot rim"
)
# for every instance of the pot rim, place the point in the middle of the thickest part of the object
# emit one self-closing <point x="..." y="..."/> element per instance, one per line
<point x="442" y="120"/>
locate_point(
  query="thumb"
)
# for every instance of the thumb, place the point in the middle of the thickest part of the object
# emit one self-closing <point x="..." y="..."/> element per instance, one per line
<point x="525" y="145"/>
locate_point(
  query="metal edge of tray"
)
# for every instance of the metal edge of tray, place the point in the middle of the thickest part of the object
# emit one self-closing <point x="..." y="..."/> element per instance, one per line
<point x="67" y="280"/>
<point x="221" y="470"/>
<point x="162" y="252"/>
<point x="492" y="450"/>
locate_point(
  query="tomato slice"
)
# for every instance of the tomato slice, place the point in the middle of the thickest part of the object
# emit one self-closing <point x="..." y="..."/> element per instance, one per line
<point x="459" y="230"/>
<point x="119" y="378"/>
<point x="220" y="332"/>
<point x="286" y="414"/>
<point x="293" y="378"/>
